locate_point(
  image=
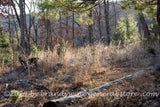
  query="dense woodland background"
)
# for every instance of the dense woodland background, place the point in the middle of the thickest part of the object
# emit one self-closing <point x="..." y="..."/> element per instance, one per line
<point x="77" y="43"/>
<point x="43" y="24"/>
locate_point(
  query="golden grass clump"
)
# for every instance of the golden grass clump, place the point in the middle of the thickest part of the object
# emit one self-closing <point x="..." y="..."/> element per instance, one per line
<point x="48" y="60"/>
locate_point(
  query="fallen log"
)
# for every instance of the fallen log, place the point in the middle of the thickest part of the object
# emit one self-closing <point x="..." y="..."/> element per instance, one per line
<point x="60" y="102"/>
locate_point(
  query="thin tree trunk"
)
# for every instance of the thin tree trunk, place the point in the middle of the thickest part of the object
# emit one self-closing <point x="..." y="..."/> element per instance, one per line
<point x="144" y="26"/>
<point x="36" y="35"/>
<point x="22" y="25"/>
<point x="115" y="15"/>
<point x="16" y="30"/>
<point x="60" y="21"/>
<point x="60" y="28"/>
<point x="13" y="31"/>
<point x="99" y="22"/>
<point x="90" y="29"/>
<point x="73" y="35"/>
<point x="14" y="8"/>
<point x="140" y="29"/>
<point x="29" y="33"/>
<point x="48" y="32"/>
<point x="46" y="42"/>
<point x="35" y="27"/>
<point x="27" y="42"/>
<point x="1" y="29"/>
<point x="106" y="12"/>
<point x="66" y="27"/>
<point x="158" y="15"/>
<point x="127" y="27"/>
<point x="9" y="25"/>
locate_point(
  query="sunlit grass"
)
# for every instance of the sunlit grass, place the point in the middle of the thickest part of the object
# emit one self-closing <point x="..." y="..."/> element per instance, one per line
<point x="84" y="64"/>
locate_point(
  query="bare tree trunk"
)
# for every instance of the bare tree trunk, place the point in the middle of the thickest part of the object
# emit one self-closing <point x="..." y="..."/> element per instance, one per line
<point x="99" y="22"/>
<point x="36" y="34"/>
<point x="48" y="32"/>
<point x="106" y="12"/>
<point x="15" y="24"/>
<point x="127" y="27"/>
<point x="140" y="29"/>
<point x="35" y="27"/>
<point x="13" y="20"/>
<point x="115" y="15"/>
<point x="16" y="31"/>
<point x="73" y="35"/>
<point x="22" y="25"/>
<point x="1" y="29"/>
<point x="90" y="29"/>
<point x="144" y="26"/>
<point x="60" y="28"/>
<point x="66" y="27"/>
<point x="9" y="25"/>
<point x="14" y="8"/>
<point x="60" y="23"/>
<point x="158" y="15"/>
<point x="29" y="34"/>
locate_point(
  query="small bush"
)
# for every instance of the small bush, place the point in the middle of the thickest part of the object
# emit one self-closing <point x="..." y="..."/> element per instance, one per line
<point x="4" y="43"/>
<point x="15" y="96"/>
<point x="35" y="50"/>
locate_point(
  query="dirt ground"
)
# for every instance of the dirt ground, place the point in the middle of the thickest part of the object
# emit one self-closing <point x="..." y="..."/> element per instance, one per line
<point x="41" y="87"/>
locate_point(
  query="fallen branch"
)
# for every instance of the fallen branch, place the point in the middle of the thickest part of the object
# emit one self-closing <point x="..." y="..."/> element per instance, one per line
<point x="33" y="83"/>
<point x="65" y="100"/>
<point x="40" y="86"/>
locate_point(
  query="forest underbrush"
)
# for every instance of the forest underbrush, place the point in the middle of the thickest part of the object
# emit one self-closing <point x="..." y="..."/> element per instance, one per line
<point x="73" y="70"/>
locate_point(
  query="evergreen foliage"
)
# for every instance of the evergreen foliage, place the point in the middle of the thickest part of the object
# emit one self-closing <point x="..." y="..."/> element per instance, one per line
<point x="154" y="30"/>
<point x="52" y="8"/>
<point x="4" y="42"/>
<point x="145" y="6"/>
<point x="15" y="96"/>
<point x="126" y="31"/>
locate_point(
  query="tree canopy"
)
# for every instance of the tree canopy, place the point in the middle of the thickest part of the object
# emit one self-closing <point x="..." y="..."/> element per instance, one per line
<point x="146" y="6"/>
<point x="52" y="8"/>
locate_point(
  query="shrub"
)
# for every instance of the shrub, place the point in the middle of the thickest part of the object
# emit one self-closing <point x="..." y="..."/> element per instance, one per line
<point x="15" y="96"/>
<point x="4" y="43"/>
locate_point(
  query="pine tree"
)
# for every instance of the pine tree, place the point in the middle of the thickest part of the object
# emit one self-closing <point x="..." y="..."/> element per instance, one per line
<point x="126" y="31"/>
<point x="147" y="7"/>
<point x="81" y="9"/>
<point x="4" y="42"/>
